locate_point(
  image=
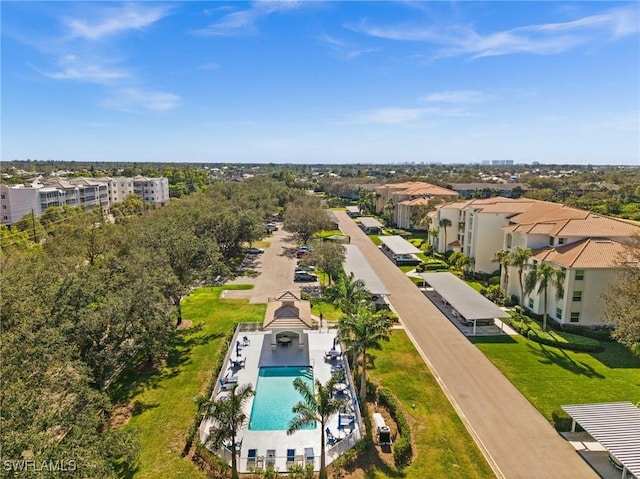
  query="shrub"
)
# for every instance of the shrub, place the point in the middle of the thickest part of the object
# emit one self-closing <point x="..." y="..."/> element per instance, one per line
<point x="511" y="301"/>
<point x="402" y="452"/>
<point x="572" y="346"/>
<point x="494" y="280"/>
<point x="493" y="293"/>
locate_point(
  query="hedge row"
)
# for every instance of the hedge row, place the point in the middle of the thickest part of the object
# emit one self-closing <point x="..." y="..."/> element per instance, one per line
<point x="587" y="348"/>
<point x="402" y="450"/>
<point x="193" y="428"/>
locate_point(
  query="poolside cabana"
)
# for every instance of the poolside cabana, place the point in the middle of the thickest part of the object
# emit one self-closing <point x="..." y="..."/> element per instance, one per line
<point x="287" y="316"/>
<point x="616" y="426"/>
<point x="356" y="263"/>
<point x="370" y="225"/>
<point x="400" y="250"/>
<point x="464" y="300"/>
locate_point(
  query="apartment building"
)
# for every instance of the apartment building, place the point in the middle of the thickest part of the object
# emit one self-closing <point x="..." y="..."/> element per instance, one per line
<point x="585" y="245"/>
<point x="406" y="197"/>
<point x="39" y="194"/>
<point x="154" y="191"/>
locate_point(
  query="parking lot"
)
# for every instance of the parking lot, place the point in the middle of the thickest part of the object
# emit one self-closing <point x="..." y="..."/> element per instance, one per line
<point x="274" y="270"/>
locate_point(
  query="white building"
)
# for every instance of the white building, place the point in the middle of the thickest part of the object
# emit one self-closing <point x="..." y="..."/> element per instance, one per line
<point x="153" y="191"/>
<point x="36" y="196"/>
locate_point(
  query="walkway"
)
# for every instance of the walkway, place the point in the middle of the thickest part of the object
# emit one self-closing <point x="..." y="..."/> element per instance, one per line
<point x="515" y="438"/>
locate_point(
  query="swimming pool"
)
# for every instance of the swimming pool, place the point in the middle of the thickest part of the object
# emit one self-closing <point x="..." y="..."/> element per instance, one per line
<point x="275" y="397"/>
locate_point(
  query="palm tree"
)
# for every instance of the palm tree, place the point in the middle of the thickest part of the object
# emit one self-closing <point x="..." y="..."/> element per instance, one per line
<point x="228" y="416"/>
<point x="347" y="293"/>
<point x="520" y="258"/>
<point x="360" y="332"/>
<point x="544" y="275"/>
<point x="366" y="201"/>
<point x="388" y="210"/>
<point x="316" y="405"/>
<point x="444" y="223"/>
<point x="503" y="257"/>
<point x="433" y="234"/>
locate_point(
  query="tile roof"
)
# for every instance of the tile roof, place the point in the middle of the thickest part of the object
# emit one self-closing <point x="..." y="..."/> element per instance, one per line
<point x="416" y="188"/>
<point x="586" y="253"/>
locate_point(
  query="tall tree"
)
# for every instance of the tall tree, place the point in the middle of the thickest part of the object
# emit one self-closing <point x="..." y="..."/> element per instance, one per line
<point x="328" y="257"/>
<point x="388" y="211"/>
<point x="623" y="296"/>
<point x="362" y="331"/>
<point x="366" y="201"/>
<point x="419" y="216"/>
<point x="444" y="223"/>
<point x="544" y="275"/>
<point x="519" y="258"/>
<point x="305" y="216"/>
<point x="502" y="257"/>
<point x="348" y="293"/>
<point x="228" y="414"/>
<point x="319" y="405"/>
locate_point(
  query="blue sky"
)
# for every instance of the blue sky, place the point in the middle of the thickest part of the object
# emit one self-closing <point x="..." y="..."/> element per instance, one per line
<point x="322" y="82"/>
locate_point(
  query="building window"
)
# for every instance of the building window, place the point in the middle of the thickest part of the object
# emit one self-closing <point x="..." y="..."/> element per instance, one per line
<point x="577" y="296"/>
<point x="562" y="240"/>
<point x="575" y="317"/>
<point x="530" y="303"/>
<point x="558" y="313"/>
<point x="579" y="274"/>
<point x="551" y="240"/>
<point x="560" y="292"/>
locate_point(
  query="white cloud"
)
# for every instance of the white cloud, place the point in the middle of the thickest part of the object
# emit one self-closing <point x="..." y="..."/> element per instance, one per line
<point x="135" y="99"/>
<point x="244" y="21"/>
<point x="74" y="68"/>
<point x="539" y="39"/>
<point x="344" y="49"/>
<point x="116" y="20"/>
<point x="456" y="96"/>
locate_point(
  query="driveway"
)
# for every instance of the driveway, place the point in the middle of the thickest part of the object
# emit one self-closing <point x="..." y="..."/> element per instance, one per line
<point x="515" y="438"/>
<point x="274" y="269"/>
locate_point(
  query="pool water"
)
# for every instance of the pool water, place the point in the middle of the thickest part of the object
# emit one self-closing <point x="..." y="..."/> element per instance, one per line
<point x="275" y="397"/>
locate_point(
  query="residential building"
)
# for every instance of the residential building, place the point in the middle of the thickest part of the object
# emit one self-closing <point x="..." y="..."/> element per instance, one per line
<point x="474" y="228"/>
<point x="39" y="194"/>
<point x="584" y="244"/>
<point x="404" y="198"/>
<point x="154" y="191"/>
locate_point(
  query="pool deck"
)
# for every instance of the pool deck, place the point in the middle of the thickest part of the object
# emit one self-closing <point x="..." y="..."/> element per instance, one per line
<point x="260" y="354"/>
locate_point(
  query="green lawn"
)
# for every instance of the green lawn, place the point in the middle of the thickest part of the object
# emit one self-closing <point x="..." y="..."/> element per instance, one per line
<point x="165" y="400"/>
<point x="375" y="239"/>
<point x="477" y="285"/>
<point x="328" y="310"/>
<point x="443" y="447"/>
<point x="327" y="233"/>
<point x="551" y="377"/>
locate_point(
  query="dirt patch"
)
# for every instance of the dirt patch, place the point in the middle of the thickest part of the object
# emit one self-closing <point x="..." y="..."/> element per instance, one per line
<point x="185" y="324"/>
<point x="120" y="416"/>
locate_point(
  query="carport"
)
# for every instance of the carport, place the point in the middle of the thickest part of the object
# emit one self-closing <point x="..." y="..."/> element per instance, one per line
<point x="399" y="249"/>
<point x="356" y="263"/>
<point x="615" y="425"/>
<point x="370" y="225"/>
<point x="463" y="298"/>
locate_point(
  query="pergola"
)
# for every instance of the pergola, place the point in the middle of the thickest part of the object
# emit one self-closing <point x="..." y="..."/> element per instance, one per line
<point x="356" y="263"/>
<point x="463" y="298"/>
<point x="615" y="425"/>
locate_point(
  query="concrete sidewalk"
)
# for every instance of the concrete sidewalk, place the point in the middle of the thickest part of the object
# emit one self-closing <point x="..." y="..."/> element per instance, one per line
<point x="515" y="438"/>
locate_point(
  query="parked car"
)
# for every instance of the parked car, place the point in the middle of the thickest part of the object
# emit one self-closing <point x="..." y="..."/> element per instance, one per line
<point x="304" y="276"/>
<point x="271" y="227"/>
<point x="303" y="250"/>
<point x="255" y="251"/>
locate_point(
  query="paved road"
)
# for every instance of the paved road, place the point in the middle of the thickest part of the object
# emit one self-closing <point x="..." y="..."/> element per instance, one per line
<point x="516" y="439"/>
